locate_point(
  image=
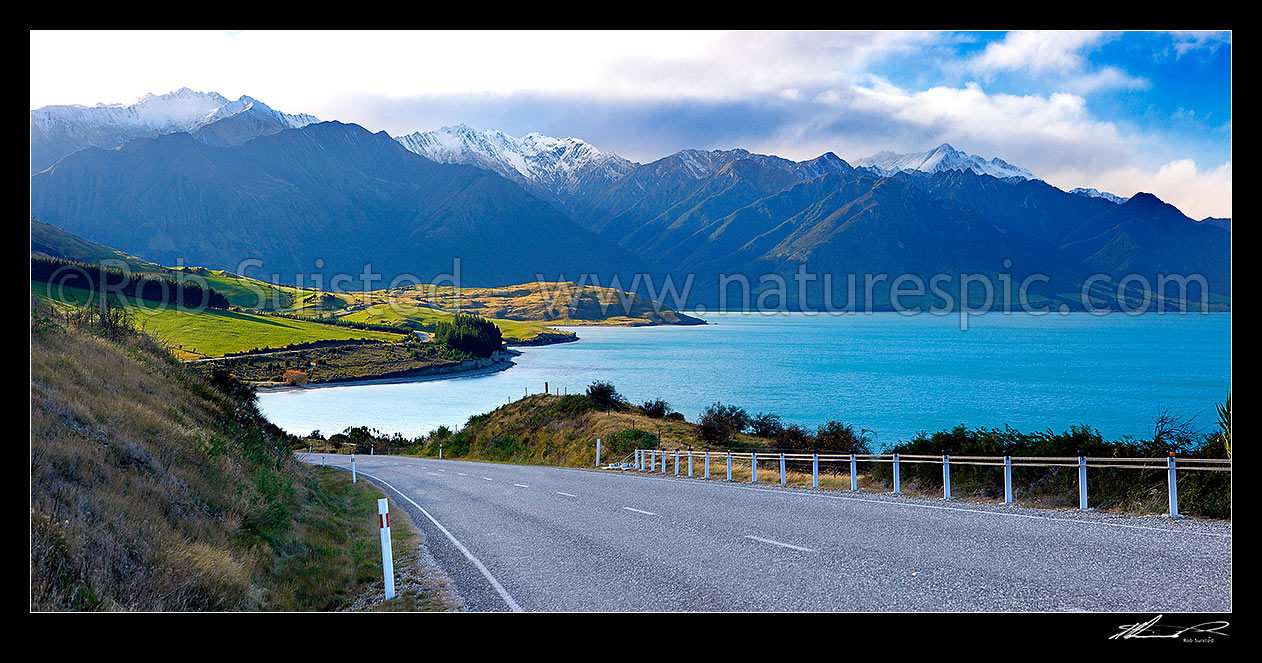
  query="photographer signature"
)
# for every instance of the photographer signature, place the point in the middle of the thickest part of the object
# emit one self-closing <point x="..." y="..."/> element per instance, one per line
<point x="1151" y="629"/>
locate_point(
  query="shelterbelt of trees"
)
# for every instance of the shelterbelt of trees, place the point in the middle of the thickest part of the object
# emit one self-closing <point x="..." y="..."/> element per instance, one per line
<point x="150" y="287"/>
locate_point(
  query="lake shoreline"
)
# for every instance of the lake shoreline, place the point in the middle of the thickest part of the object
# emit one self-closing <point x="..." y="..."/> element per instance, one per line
<point x="500" y="361"/>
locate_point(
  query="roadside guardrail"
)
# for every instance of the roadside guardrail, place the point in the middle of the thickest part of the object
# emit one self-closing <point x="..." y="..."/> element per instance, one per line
<point x="659" y="461"/>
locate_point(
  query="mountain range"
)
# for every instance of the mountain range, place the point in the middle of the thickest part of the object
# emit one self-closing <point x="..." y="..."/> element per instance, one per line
<point x="196" y="177"/>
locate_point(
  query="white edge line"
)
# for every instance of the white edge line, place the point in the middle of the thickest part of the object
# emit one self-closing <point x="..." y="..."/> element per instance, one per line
<point x="566" y="494"/>
<point x="460" y="546"/>
<point x="777" y="543"/>
<point x="647" y="513"/>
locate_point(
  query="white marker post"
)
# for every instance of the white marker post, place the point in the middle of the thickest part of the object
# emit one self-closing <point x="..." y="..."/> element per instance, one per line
<point x="597" y="450"/>
<point x="387" y="553"/>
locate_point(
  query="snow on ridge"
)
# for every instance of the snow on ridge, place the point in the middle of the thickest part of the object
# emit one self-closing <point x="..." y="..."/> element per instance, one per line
<point x="1096" y="193"/>
<point x="153" y="115"/>
<point x="558" y="165"/>
<point x="940" y="159"/>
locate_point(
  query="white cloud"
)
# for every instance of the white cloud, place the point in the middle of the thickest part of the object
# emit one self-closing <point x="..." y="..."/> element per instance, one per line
<point x="1187" y="42"/>
<point x="1037" y="51"/>
<point x="1055" y="136"/>
<point x="301" y="69"/>
<point x="1197" y="193"/>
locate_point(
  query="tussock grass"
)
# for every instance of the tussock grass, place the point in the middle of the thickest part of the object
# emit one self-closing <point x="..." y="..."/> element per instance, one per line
<point x="153" y="488"/>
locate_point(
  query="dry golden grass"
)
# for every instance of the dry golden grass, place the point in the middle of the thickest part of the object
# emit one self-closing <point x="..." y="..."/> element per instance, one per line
<point x="153" y="490"/>
<point x="551" y="302"/>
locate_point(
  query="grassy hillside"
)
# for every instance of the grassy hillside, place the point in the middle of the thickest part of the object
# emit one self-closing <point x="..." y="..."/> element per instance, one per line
<point x="561" y="430"/>
<point x="241" y="291"/>
<point x="155" y="489"/>
<point x="214" y="333"/>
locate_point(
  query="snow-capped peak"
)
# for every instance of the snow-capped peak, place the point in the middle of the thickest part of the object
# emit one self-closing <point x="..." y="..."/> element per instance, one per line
<point x="940" y="159"/>
<point x="158" y="114"/>
<point x="1096" y="193"/>
<point x="64" y="129"/>
<point x="556" y="165"/>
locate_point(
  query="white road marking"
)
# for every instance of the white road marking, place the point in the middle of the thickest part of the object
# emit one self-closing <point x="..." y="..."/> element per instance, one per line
<point x="433" y="474"/>
<point x="777" y="543"/>
<point x="720" y="485"/>
<point x="647" y="513"/>
<point x="441" y="470"/>
<point x="512" y="605"/>
<point x="487" y="479"/>
<point x="566" y="494"/>
<point x="521" y="485"/>
<point x="462" y="474"/>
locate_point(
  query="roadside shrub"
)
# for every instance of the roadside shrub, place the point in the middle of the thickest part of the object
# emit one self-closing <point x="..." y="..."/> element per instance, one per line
<point x="656" y="408"/>
<point x="296" y="378"/>
<point x="766" y="425"/>
<point x="794" y="438"/>
<point x="112" y="320"/>
<point x="719" y="423"/>
<point x="604" y="396"/>
<point x="840" y="437"/>
<point x="628" y="440"/>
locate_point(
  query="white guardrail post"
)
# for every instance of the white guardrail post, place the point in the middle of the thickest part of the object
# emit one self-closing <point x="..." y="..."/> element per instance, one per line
<point x="1174" y="486"/>
<point x="1007" y="479"/>
<point x="677" y="462"/>
<point x="597" y="452"/>
<point x="753" y="465"/>
<point x="729" y="466"/>
<point x="854" y="475"/>
<point x="946" y="476"/>
<point x="690" y="463"/>
<point x="1082" y="482"/>
<point x="898" y="486"/>
<point x="783" y="479"/>
<point x="387" y="553"/>
<point x="815" y="470"/>
<point x="707" y="463"/>
<point x="354" y="479"/>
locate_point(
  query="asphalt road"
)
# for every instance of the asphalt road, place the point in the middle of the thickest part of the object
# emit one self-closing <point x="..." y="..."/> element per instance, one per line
<point x="531" y="538"/>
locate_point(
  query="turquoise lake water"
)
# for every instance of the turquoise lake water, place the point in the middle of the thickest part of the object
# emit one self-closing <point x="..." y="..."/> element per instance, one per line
<point x="890" y="373"/>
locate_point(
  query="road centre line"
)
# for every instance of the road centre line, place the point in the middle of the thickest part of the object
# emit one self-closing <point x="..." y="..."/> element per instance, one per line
<point x="777" y="543"/>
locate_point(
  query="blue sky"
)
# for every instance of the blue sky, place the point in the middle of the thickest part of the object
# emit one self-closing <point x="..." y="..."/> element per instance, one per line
<point x="1118" y="111"/>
